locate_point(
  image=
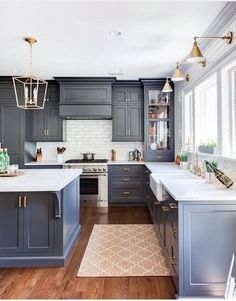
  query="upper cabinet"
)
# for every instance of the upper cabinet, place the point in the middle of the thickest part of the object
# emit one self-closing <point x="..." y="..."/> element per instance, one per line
<point x="159" y="122"/>
<point x="122" y="95"/>
<point x="46" y="124"/>
<point x="127" y="123"/>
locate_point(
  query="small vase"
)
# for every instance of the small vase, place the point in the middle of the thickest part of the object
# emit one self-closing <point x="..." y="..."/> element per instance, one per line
<point x="185" y="165"/>
<point x="60" y="158"/>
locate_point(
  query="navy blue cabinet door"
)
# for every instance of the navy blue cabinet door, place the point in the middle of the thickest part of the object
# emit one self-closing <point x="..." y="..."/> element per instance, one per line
<point x="11" y="224"/>
<point x="135" y="124"/>
<point x="38" y="223"/>
<point x="12" y="131"/>
<point x="119" y="123"/>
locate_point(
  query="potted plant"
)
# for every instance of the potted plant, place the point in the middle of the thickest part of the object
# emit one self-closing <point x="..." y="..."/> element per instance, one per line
<point x="183" y="161"/>
<point x="209" y="174"/>
<point x="208" y="148"/>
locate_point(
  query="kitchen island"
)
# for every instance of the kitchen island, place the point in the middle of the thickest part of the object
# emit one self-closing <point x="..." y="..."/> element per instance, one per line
<point x="39" y="217"/>
<point x="196" y="225"/>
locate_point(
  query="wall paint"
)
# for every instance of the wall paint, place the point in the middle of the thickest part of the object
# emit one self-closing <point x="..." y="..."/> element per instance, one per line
<point x="88" y="136"/>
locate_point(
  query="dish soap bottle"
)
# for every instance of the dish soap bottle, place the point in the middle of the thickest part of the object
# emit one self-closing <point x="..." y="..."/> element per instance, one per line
<point x="39" y="155"/>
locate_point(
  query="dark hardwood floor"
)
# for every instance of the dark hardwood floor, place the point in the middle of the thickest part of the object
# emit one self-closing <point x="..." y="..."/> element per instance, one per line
<point x="62" y="283"/>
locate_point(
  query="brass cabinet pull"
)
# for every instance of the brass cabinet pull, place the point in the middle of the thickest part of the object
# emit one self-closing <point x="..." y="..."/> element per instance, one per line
<point x="159" y="157"/>
<point x="157" y="203"/>
<point x="25" y="201"/>
<point x="147" y="197"/>
<point x="126" y="132"/>
<point x="129" y="132"/>
<point x="173" y="260"/>
<point x="19" y="201"/>
<point x="126" y="179"/>
<point x="165" y="208"/>
<point x="173" y="206"/>
<point x="126" y="192"/>
<point x="47" y="132"/>
<point x="125" y="169"/>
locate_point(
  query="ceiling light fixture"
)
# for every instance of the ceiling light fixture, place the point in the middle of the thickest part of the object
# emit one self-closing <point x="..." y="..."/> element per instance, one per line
<point x="196" y="55"/>
<point x="167" y="87"/>
<point x="178" y="74"/>
<point x="34" y="88"/>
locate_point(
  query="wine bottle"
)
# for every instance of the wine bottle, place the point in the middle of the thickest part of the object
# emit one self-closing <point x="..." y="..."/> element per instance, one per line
<point x="7" y="159"/>
<point x="220" y="175"/>
<point x="2" y="161"/>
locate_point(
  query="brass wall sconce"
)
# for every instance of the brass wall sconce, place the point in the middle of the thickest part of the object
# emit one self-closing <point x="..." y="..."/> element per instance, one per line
<point x="178" y="74"/>
<point x="196" y="55"/>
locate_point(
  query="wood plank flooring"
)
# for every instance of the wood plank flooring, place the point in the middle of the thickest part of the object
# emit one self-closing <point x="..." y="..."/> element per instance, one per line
<point x="62" y="283"/>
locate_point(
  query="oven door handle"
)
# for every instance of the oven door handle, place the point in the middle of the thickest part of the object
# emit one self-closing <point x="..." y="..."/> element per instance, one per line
<point x="83" y="176"/>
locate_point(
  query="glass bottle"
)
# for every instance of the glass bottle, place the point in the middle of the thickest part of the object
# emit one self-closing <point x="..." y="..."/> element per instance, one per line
<point x="2" y="161"/>
<point x="220" y="175"/>
<point x="7" y="160"/>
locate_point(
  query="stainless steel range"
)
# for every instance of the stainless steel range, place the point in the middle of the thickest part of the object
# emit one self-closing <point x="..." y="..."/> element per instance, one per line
<point x="93" y="180"/>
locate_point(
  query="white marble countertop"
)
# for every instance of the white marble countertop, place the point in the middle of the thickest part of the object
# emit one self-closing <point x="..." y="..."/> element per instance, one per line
<point x="39" y="180"/>
<point x="34" y="163"/>
<point x="188" y="187"/>
<point x="159" y="167"/>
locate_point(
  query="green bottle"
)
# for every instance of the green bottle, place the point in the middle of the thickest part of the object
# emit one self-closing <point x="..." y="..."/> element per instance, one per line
<point x="2" y="161"/>
<point x="7" y="160"/>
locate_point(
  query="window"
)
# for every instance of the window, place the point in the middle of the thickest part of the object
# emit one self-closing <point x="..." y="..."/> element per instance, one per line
<point x="233" y="112"/>
<point x="205" y="111"/>
<point x="188" y="118"/>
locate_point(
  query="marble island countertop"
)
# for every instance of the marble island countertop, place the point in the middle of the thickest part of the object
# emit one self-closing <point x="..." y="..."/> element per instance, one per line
<point x="39" y="180"/>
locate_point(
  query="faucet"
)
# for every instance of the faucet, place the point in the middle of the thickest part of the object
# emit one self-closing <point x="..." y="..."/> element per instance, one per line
<point x="196" y="167"/>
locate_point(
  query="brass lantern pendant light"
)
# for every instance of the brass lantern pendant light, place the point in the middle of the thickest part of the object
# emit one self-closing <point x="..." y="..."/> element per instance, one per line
<point x="34" y="88"/>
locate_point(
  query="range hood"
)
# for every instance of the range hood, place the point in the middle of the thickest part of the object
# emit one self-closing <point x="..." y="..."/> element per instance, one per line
<point x="85" y="98"/>
<point x="85" y="112"/>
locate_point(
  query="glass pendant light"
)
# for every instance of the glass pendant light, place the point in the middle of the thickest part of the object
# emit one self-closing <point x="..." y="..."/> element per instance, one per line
<point x="30" y="90"/>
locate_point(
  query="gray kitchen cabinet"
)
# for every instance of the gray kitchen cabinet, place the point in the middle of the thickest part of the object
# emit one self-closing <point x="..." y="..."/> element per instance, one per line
<point x="38" y="223"/>
<point x="12" y="131"/>
<point x="27" y="225"/>
<point x="127" y="94"/>
<point x="158" y="122"/>
<point x="127" y="124"/>
<point x="11" y="224"/>
<point x="125" y="184"/>
<point x="46" y="124"/>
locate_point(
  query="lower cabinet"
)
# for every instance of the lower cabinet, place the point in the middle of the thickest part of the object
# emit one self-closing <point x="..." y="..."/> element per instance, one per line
<point x="126" y="184"/>
<point x="26" y="223"/>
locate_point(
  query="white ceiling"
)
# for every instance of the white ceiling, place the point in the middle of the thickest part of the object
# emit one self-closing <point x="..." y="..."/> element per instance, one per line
<point x="74" y="40"/>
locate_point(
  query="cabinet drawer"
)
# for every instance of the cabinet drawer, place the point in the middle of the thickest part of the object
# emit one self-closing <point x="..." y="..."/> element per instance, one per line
<point x="128" y="192"/>
<point x="126" y="180"/>
<point x="126" y="170"/>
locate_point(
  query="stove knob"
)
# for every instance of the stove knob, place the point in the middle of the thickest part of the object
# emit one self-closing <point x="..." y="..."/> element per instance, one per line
<point x="95" y="169"/>
<point x="85" y="169"/>
<point x="104" y="169"/>
<point x="99" y="169"/>
<point x="89" y="169"/>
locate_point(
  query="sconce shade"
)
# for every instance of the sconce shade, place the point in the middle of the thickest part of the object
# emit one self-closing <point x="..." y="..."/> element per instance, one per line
<point x="178" y="75"/>
<point x="167" y="87"/>
<point x="30" y="92"/>
<point x="195" y="55"/>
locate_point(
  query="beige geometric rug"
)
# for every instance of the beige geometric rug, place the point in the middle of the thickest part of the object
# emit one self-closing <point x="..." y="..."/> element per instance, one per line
<point x="123" y="250"/>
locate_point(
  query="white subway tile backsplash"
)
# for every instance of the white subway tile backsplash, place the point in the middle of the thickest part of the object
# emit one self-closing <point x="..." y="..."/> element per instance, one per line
<point x="88" y="136"/>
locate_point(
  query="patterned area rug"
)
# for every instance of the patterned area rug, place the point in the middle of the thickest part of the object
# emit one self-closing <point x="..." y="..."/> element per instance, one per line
<point x="123" y="250"/>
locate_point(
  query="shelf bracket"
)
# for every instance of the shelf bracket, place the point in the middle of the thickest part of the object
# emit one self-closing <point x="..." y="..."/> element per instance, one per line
<point x="57" y="204"/>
